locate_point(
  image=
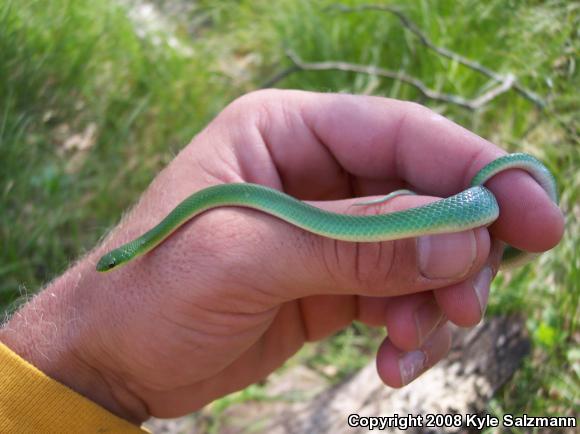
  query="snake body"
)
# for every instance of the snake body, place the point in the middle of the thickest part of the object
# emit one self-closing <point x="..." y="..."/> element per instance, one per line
<point x="474" y="207"/>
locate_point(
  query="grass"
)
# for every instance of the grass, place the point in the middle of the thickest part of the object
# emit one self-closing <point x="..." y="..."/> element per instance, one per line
<point x="69" y="68"/>
<point x="89" y="113"/>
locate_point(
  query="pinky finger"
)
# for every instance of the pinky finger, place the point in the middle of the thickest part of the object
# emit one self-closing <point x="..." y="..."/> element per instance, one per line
<point x="398" y="368"/>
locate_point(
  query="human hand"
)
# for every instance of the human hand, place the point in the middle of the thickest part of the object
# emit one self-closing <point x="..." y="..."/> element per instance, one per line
<point x="232" y="294"/>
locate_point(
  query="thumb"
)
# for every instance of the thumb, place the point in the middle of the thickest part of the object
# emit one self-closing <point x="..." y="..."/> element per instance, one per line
<point x="402" y="266"/>
<point x="269" y="258"/>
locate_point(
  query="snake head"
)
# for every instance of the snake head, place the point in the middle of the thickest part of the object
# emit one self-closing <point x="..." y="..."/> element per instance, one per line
<point x="107" y="262"/>
<point x="116" y="258"/>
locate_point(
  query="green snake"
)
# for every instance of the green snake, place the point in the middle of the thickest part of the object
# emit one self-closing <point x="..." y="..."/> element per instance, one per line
<point x="474" y="207"/>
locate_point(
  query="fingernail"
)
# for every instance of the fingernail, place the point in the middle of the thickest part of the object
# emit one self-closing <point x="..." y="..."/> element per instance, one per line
<point x="446" y="256"/>
<point x="411" y="365"/>
<point x="427" y="317"/>
<point x="481" y="284"/>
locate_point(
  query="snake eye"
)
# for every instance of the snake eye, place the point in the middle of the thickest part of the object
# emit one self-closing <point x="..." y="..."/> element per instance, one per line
<point x="107" y="263"/>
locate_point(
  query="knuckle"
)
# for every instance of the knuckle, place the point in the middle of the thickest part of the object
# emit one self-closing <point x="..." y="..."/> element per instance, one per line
<point x="258" y="108"/>
<point x="374" y="268"/>
<point x="416" y="108"/>
<point x="261" y="99"/>
<point x="366" y="268"/>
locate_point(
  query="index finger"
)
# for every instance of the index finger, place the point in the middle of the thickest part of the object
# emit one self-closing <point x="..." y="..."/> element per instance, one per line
<point x="379" y="138"/>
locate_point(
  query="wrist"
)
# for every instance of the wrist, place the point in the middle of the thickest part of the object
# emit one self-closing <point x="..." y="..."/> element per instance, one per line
<point x="50" y="333"/>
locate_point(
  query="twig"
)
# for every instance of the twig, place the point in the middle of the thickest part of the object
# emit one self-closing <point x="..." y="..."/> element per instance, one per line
<point x="472" y="104"/>
<point x="406" y="22"/>
<point x="508" y="83"/>
<point x="280" y="76"/>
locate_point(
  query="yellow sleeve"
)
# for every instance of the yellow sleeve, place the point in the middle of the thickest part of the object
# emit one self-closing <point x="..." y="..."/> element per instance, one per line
<point x="32" y="402"/>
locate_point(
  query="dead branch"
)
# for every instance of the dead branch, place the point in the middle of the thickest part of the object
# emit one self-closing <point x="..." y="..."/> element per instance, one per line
<point x="476" y="66"/>
<point x="471" y="104"/>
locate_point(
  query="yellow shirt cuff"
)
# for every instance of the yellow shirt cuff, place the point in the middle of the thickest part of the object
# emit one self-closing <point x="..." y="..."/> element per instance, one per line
<point x="32" y="402"/>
